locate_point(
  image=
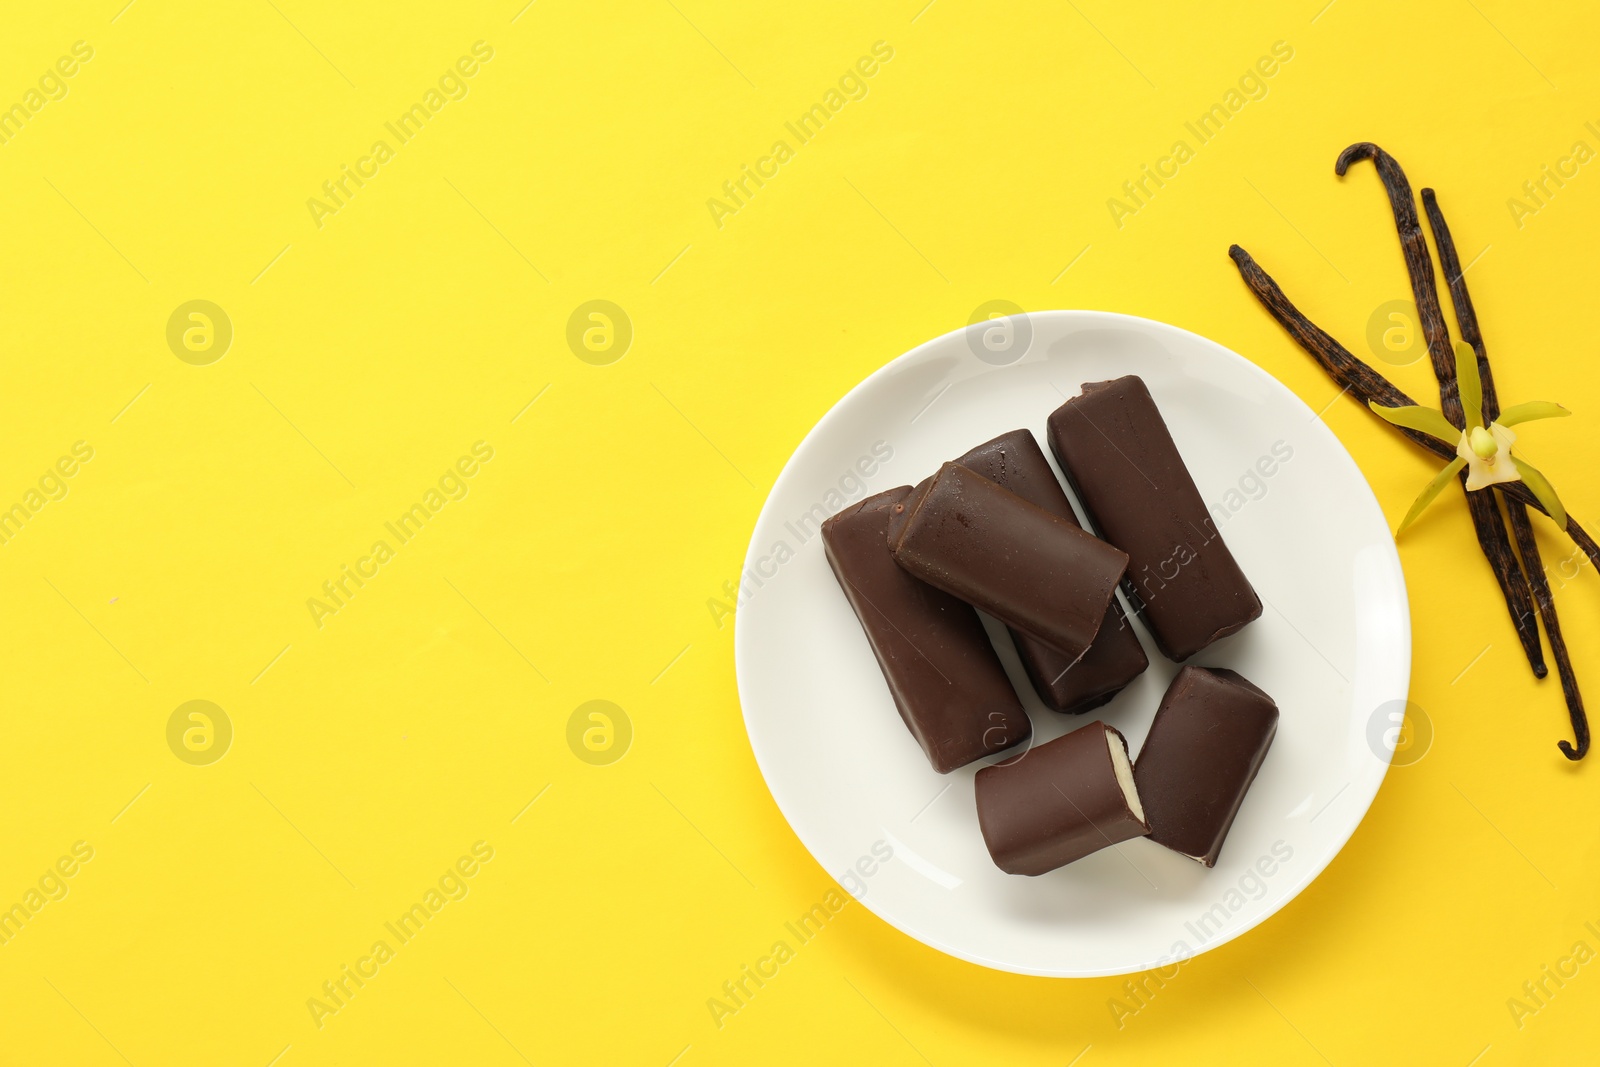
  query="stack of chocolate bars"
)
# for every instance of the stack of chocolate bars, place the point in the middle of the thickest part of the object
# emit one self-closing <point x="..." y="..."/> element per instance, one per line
<point x="993" y="530"/>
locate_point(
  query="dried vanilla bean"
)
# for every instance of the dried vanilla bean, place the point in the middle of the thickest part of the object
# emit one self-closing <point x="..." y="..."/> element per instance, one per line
<point x="1558" y="644"/>
<point x="1486" y="520"/>
<point x="1516" y="513"/>
<point x="1366" y="384"/>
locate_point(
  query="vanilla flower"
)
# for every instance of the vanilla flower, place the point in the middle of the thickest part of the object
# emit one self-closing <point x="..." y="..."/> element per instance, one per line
<point x="1485" y="451"/>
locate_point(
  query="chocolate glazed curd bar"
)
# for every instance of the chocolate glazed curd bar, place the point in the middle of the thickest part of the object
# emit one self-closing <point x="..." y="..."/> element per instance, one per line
<point x="1119" y="456"/>
<point x="1032" y="570"/>
<point x="1207" y="742"/>
<point x="1059" y="802"/>
<point x="1014" y="461"/>
<point x="941" y="668"/>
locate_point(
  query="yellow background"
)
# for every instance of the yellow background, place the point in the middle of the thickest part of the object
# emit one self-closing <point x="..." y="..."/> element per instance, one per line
<point x="425" y="315"/>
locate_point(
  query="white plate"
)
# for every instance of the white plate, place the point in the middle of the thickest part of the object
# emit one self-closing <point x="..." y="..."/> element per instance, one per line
<point x="1333" y="647"/>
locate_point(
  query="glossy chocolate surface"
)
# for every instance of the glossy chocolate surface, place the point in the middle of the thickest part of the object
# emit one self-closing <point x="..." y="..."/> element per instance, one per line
<point x="1115" y="449"/>
<point x="1055" y="804"/>
<point x="1032" y="570"/>
<point x="1209" y="738"/>
<point x="1015" y="461"/>
<point x="941" y="668"/>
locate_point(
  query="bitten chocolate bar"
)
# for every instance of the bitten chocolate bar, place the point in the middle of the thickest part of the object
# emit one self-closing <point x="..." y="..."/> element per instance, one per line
<point x="941" y="668"/>
<point x="1119" y="456"/>
<point x="1030" y="569"/>
<point x="1205" y="746"/>
<point x="1059" y="802"/>
<point x="1014" y="461"/>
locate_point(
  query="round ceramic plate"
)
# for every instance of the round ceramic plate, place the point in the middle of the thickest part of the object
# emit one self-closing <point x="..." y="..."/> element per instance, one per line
<point x="1333" y="647"/>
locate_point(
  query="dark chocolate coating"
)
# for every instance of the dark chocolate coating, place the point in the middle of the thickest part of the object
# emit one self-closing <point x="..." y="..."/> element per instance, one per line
<point x="1057" y="803"/>
<point x="1028" y="568"/>
<point x="1015" y="461"/>
<point x="942" y="670"/>
<point x="1118" y="454"/>
<point x="1206" y="744"/>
